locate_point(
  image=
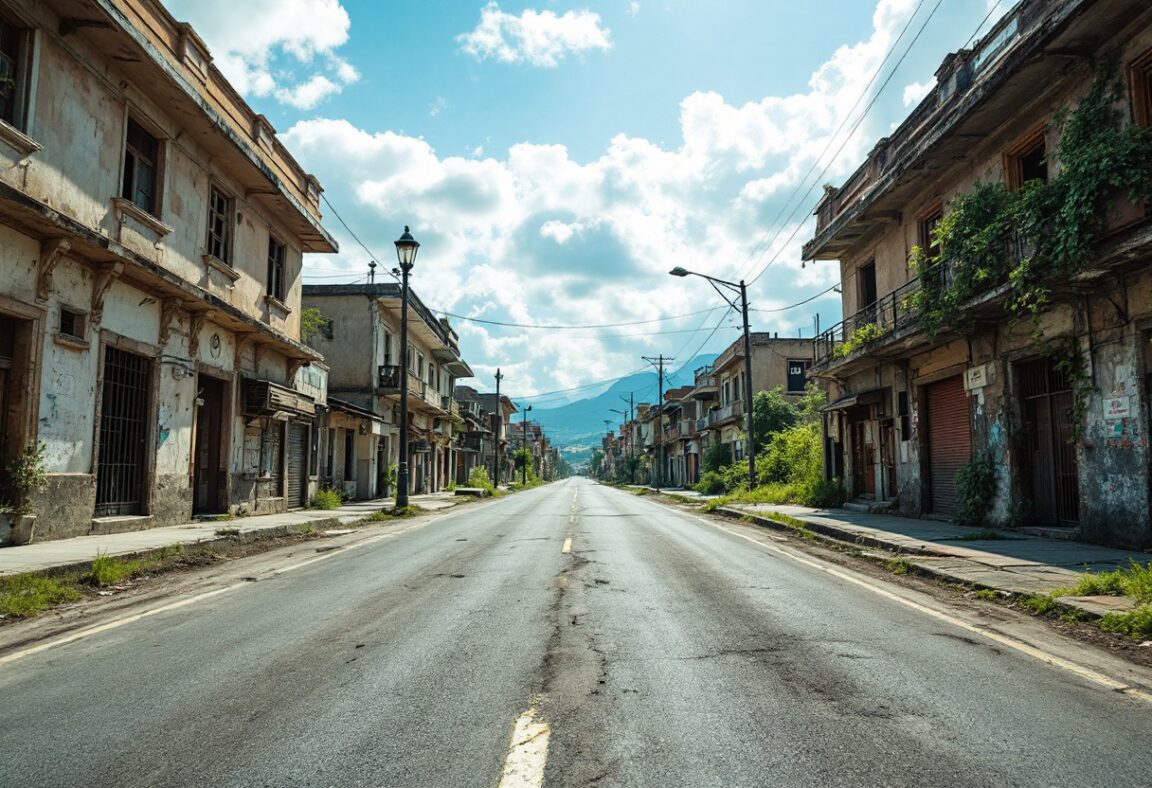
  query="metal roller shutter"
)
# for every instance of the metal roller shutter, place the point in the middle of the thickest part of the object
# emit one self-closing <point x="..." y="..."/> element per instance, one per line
<point x="949" y="441"/>
<point x="297" y="464"/>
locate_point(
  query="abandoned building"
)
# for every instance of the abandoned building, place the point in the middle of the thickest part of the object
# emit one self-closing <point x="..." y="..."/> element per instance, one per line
<point x="974" y="339"/>
<point x="153" y="230"/>
<point x="361" y="344"/>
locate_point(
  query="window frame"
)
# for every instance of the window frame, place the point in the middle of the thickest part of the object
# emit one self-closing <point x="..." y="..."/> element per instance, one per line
<point x="277" y="268"/>
<point x="1140" y="88"/>
<point x="215" y="246"/>
<point x="22" y="60"/>
<point x="1014" y="157"/>
<point x="130" y="162"/>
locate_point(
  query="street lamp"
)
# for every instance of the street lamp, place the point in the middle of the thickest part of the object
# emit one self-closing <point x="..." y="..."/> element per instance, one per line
<point x="524" y="467"/>
<point x="742" y="290"/>
<point x="406" y="248"/>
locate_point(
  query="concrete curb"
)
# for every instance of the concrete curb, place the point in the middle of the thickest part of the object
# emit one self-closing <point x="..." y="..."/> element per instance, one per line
<point x="836" y="536"/>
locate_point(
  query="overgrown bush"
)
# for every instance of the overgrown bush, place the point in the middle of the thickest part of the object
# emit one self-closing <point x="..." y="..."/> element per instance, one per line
<point x="716" y="457"/>
<point x="327" y="499"/>
<point x="976" y="488"/>
<point x="711" y="483"/>
<point x="478" y="477"/>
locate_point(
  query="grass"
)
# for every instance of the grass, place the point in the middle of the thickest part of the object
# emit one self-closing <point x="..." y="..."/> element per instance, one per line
<point x="227" y="531"/>
<point x="1135" y="623"/>
<point x="108" y="571"/>
<point x="23" y="596"/>
<point x="799" y="527"/>
<point x="988" y="594"/>
<point x="1041" y="604"/>
<point x="1133" y="581"/>
<point x="405" y="511"/>
<point x="898" y="566"/>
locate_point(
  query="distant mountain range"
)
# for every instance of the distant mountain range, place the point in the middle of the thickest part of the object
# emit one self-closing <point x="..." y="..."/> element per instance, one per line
<point x="577" y="427"/>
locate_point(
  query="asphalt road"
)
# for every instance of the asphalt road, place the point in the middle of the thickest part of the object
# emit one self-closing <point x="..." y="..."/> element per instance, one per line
<point x="659" y="651"/>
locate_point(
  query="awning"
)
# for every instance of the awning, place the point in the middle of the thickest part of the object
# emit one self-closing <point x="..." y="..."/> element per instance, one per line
<point x="265" y="398"/>
<point x="870" y="397"/>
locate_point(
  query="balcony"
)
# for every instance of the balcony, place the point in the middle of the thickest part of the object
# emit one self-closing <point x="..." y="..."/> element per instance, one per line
<point x="891" y="312"/>
<point x="701" y="424"/>
<point x="388" y="381"/>
<point x="732" y="412"/>
<point x="688" y="427"/>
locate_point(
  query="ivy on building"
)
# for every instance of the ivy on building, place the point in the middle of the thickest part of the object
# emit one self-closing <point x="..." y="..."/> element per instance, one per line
<point x="1045" y="232"/>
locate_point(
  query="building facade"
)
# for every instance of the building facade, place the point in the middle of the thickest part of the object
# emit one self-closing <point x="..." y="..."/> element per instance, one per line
<point x="360" y="341"/>
<point x="152" y="229"/>
<point x="938" y="364"/>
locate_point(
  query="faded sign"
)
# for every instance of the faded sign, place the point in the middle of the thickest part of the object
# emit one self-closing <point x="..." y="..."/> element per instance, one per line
<point x="976" y="377"/>
<point x="1117" y="407"/>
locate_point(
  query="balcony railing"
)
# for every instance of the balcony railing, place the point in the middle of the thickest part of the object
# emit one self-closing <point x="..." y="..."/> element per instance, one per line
<point x="388" y="377"/>
<point x="733" y="410"/>
<point x="701" y="424"/>
<point x="891" y="312"/>
<point x="688" y="427"/>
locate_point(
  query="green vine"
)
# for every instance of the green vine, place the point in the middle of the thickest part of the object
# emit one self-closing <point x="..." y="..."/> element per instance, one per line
<point x="1046" y="231"/>
<point x="869" y="332"/>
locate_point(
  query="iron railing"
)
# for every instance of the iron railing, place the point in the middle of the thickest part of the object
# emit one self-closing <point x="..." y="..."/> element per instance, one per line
<point x="889" y="313"/>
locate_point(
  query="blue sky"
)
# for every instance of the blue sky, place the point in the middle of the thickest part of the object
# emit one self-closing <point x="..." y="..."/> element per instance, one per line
<point x="555" y="158"/>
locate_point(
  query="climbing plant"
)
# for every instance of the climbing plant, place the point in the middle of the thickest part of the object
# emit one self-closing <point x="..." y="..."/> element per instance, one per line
<point x="1045" y="231"/>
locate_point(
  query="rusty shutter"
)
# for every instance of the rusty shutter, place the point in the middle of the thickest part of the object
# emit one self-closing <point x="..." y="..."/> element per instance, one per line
<point x="949" y="441"/>
<point x="297" y="464"/>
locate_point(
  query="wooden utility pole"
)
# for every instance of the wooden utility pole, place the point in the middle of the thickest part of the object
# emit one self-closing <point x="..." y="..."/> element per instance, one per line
<point x="496" y="433"/>
<point x="659" y="363"/>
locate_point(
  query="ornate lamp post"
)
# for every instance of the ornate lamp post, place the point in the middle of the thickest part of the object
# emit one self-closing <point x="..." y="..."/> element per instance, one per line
<point x="406" y="248"/>
<point x="742" y="291"/>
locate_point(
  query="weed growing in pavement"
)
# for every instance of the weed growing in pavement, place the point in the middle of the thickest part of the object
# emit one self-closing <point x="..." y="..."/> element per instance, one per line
<point x="26" y="595"/>
<point x="326" y="499"/>
<point x="221" y="518"/>
<point x="405" y="511"/>
<point x="799" y="527"/>
<point x="987" y="594"/>
<point x="1135" y="623"/>
<point x="227" y="531"/>
<point x="1040" y="604"/>
<point x="898" y="566"/>
<point x="1133" y="581"/>
<point x="378" y="517"/>
<point x="107" y="571"/>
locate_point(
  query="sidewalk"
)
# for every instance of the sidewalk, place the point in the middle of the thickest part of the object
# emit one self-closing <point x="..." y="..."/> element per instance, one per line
<point x="1012" y="562"/>
<point x="39" y="556"/>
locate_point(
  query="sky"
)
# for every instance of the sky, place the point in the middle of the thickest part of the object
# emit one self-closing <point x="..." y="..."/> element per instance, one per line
<point x="555" y="158"/>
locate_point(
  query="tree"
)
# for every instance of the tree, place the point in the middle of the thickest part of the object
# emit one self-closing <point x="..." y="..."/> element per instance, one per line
<point x="716" y="457"/>
<point x="597" y="462"/>
<point x="311" y="321"/>
<point x="771" y="413"/>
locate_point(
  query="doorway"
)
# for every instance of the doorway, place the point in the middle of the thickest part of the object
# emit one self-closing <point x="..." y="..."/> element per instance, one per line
<point x="208" y="468"/>
<point x="1051" y="472"/>
<point x="863" y="460"/>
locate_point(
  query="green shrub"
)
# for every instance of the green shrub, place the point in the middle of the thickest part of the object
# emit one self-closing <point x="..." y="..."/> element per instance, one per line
<point x="1134" y="581"/>
<point x="716" y="457"/>
<point x="478" y="477"/>
<point x="711" y="483"/>
<point x="976" y="486"/>
<point x="26" y="595"/>
<point x="1135" y="623"/>
<point x="827" y="494"/>
<point x="327" y="499"/>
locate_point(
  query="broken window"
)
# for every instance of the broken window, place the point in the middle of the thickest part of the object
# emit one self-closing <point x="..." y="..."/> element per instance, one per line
<point x="141" y="166"/>
<point x="1027" y="161"/>
<point x="220" y="225"/>
<point x="71" y="323"/>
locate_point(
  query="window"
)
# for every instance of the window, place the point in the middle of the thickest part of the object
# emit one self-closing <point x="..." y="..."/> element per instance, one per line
<point x="387" y="349"/>
<point x="866" y="284"/>
<point x="928" y="241"/>
<point x="275" y="269"/>
<point x="349" y="455"/>
<point x="1026" y="161"/>
<point x="1140" y="85"/>
<point x="71" y="323"/>
<point x="905" y="419"/>
<point x="797" y="375"/>
<point x="141" y="165"/>
<point x="220" y="225"/>
<point x="14" y="51"/>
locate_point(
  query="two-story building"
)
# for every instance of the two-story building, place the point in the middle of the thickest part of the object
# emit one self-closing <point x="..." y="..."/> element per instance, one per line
<point x="969" y="334"/>
<point x="152" y="229"/>
<point x="360" y="341"/>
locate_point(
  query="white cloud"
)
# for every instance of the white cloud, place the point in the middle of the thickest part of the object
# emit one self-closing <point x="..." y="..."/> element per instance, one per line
<point x="535" y="236"/>
<point x="916" y="91"/>
<point x="539" y="38"/>
<point x="633" y="8"/>
<point x="279" y="48"/>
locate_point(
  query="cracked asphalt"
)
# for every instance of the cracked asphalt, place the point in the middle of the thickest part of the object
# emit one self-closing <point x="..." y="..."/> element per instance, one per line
<point x="661" y="652"/>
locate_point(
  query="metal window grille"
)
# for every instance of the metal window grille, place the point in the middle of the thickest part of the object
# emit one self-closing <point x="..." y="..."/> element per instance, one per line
<point x="141" y="154"/>
<point x="220" y="226"/>
<point x="124" y="409"/>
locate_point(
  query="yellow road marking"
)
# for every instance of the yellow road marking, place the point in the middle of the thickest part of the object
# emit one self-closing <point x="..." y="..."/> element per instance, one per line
<point x="527" y="754"/>
<point x="1004" y="640"/>
<point x="567" y="548"/>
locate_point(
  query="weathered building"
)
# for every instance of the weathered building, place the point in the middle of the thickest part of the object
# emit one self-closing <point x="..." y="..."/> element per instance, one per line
<point x="152" y="228"/>
<point x="361" y="343"/>
<point x="984" y="339"/>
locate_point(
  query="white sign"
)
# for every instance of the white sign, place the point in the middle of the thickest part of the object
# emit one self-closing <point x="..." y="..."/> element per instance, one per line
<point x="1117" y="407"/>
<point x="976" y="377"/>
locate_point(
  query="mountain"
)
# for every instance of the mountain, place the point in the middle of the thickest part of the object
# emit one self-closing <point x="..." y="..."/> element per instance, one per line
<point x="577" y="427"/>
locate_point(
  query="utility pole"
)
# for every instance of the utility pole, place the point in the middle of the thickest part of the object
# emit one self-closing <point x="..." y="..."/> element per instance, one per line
<point x="659" y="363"/>
<point x="496" y="433"/>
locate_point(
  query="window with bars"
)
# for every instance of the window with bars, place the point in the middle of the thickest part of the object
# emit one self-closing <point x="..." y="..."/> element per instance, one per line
<point x="121" y="471"/>
<point x="276" y="253"/>
<point x="220" y="225"/>
<point x="141" y="168"/>
<point x="71" y="323"/>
